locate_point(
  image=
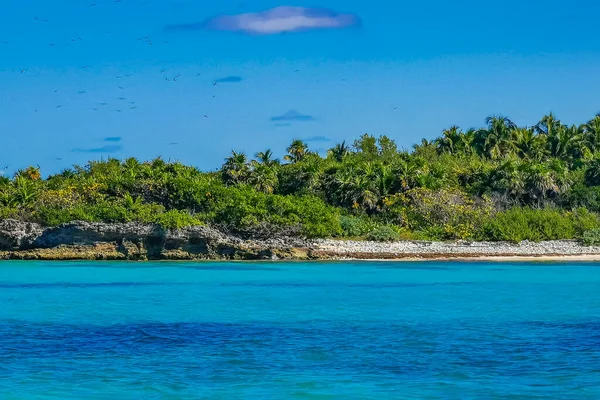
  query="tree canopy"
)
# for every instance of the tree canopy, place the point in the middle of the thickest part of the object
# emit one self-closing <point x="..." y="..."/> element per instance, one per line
<point x="465" y="184"/>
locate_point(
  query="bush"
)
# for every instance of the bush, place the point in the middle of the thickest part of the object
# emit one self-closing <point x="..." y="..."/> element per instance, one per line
<point x="592" y="237"/>
<point x="584" y="220"/>
<point x="176" y="219"/>
<point x="239" y="208"/>
<point x="353" y="227"/>
<point x="520" y="224"/>
<point x="384" y="233"/>
<point x="581" y="195"/>
<point x="441" y="214"/>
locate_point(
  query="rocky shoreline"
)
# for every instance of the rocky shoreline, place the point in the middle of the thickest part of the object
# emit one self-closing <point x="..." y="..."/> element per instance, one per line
<point x="133" y="241"/>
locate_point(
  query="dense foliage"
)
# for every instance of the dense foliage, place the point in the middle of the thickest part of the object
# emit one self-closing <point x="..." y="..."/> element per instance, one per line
<point x="500" y="182"/>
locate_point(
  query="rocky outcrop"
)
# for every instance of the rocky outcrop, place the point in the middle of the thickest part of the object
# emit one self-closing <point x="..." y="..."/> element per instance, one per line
<point x="18" y="235"/>
<point x="134" y="241"/>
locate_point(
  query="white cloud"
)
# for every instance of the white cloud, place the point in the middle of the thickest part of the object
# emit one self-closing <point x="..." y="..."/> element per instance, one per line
<point x="277" y="20"/>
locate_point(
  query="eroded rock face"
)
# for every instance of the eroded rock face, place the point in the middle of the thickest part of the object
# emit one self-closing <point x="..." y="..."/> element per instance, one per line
<point x="16" y="235"/>
<point x="132" y="241"/>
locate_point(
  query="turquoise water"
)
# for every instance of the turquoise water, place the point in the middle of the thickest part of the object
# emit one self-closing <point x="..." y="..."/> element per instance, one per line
<point x="299" y="330"/>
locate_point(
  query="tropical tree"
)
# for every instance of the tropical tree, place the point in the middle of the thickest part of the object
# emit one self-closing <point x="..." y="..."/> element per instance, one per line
<point x="296" y="151"/>
<point x="451" y="141"/>
<point x="339" y="151"/>
<point x="266" y="158"/>
<point x="591" y="132"/>
<point x="527" y="144"/>
<point x="235" y="169"/>
<point x="592" y="171"/>
<point x="263" y="178"/>
<point x="493" y="141"/>
<point x="565" y="142"/>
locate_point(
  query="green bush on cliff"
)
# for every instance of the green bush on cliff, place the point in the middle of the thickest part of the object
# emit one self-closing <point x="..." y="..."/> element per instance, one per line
<point x="176" y="219"/>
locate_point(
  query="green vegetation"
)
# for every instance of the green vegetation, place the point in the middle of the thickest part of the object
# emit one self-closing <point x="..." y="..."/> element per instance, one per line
<point x="500" y="182"/>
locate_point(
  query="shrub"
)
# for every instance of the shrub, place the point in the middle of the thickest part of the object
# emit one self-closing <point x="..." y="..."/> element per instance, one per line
<point x="353" y="227"/>
<point x="519" y="224"/>
<point x="176" y="219"/>
<point x="584" y="220"/>
<point x="592" y="237"/>
<point x="445" y="214"/>
<point x="581" y="195"/>
<point x="239" y="208"/>
<point x="384" y="233"/>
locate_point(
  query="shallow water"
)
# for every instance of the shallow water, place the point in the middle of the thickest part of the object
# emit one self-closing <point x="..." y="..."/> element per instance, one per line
<point x="434" y="330"/>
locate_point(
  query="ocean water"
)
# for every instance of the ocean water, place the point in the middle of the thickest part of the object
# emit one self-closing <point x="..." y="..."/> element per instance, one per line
<point x="347" y="330"/>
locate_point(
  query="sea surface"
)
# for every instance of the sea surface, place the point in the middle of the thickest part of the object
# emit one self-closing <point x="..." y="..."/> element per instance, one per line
<point x="347" y="330"/>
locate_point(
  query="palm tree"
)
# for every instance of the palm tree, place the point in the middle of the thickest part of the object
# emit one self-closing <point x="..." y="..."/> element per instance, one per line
<point x="451" y="141"/>
<point x="131" y="167"/>
<point x="548" y="125"/>
<point x="266" y="158"/>
<point x="384" y="178"/>
<point x="235" y="170"/>
<point x="591" y="131"/>
<point x="296" y="151"/>
<point x="493" y="141"/>
<point x="410" y="172"/>
<point x="565" y="142"/>
<point x="592" y="172"/>
<point x="508" y="178"/>
<point x="339" y="151"/>
<point x="527" y="144"/>
<point x="263" y="178"/>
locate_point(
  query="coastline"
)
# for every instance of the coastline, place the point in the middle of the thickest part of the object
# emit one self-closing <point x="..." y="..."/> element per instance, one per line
<point x="138" y="242"/>
<point x="489" y="258"/>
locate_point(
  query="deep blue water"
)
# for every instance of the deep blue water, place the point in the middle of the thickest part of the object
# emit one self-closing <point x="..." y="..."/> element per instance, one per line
<point x="372" y="330"/>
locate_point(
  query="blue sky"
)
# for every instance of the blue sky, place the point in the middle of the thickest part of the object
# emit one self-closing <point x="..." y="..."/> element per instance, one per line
<point x="142" y="73"/>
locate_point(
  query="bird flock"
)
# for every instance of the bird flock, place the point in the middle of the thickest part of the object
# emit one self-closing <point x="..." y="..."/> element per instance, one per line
<point x="123" y="102"/>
